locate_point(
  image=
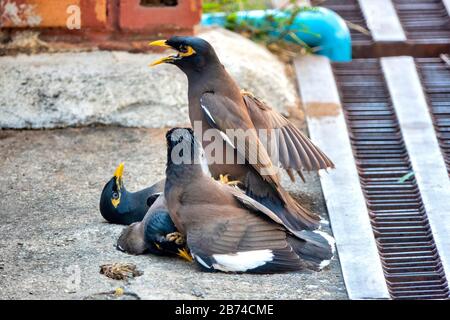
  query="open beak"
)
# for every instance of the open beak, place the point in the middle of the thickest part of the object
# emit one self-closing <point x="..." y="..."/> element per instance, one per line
<point x="119" y="171"/>
<point x="163" y="43"/>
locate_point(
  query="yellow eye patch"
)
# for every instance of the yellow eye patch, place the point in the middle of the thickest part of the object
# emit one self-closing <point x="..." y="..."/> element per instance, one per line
<point x="115" y="202"/>
<point x="189" y="52"/>
<point x="183" y="51"/>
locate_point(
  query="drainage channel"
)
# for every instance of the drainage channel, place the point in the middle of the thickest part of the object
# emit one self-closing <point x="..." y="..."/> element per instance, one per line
<point x="410" y="261"/>
<point x="435" y="75"/>
<point x="350" y="11"/>
<point x="419" y="28"/>
<point x="424" y="20"/>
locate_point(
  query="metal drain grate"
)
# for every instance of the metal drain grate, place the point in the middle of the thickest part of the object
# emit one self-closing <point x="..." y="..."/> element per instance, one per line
<point x="435" y="74"/>
<point x="350" y="11"/>
<point x="424" y="20"/>
<point x="411" y="264"/>
<point x="423" y="27"/>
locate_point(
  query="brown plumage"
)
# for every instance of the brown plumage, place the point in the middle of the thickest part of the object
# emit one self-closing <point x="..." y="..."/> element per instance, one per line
<point x="229" y="231"/>
<point x="216" y="101"/>
<point x="156" y="233"/>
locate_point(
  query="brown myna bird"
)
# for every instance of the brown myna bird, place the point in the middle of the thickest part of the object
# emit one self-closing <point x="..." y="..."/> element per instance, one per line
<point x="216" y="101"/>
<point x="155" y="234"/>
<point x="118" y="205"/>
<point x="225" y="229"/>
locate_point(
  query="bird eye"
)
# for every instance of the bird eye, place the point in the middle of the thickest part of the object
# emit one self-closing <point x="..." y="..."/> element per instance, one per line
<point x="115" y="195"/>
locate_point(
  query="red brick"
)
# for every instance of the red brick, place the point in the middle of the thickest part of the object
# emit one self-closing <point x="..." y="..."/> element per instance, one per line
<point x="51" y="13"/>
<point x="134" y="17"/>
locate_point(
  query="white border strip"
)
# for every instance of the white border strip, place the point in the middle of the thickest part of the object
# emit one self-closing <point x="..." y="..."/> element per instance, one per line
<point x="360" y="262"/>
<point x="447" y="5"/>
<point x="382" y="20"/>
<point x="423" y="148"/>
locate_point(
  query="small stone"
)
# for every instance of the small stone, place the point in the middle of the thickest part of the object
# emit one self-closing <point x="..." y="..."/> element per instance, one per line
<point x="118" y="291"/>
<point x="197" y="293"/>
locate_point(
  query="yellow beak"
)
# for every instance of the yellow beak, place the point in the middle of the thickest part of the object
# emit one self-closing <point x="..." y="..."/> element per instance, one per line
<point x="119" y="171"/>
<point x="160" y="43"/>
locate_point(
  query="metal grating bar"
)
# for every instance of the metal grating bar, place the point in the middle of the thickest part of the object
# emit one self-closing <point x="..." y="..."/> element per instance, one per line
<point x="350" y="11"/>
<point x="423" y="148"/>
<point x="360" y="262"/>
<point x="435" y="75"/>
<point x="424" y="21"/>
<point x="411" y="263"/>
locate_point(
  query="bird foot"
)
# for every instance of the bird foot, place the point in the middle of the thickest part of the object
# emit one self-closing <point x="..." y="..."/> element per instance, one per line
<point x="224" y="179"/>
<point x="176" y="237"/>
<point x="247" y="93"/>
<point x="184" y="254"/>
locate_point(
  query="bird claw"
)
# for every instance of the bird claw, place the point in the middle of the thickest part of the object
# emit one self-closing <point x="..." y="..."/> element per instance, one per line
<point x="184" y="254"/>
<point x="176" y="237"/>
<point x="247" y="93"/>
<point x="224" y="179"/>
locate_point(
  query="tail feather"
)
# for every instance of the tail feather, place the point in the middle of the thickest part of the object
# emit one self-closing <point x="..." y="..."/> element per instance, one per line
<point x="294" y="216"/>
<point x="315" y="248"/>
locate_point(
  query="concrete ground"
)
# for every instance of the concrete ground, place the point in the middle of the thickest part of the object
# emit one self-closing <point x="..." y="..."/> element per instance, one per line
<point x="54" y="238"/>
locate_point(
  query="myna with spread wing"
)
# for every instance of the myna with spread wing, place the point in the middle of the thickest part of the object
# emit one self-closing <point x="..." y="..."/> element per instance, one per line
<point x="117" y="205"/>
<point x="217" y="102"/>
<point x="225" y="229"/>
<point x="155" y="234"/>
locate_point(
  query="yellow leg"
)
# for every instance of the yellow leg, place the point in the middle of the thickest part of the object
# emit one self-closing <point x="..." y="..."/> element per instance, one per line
<point x="224" y="179"/>
<point x="184" y="254"/>
<point x="247" y="93"/>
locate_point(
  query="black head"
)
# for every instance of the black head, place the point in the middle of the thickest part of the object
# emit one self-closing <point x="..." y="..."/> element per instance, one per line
<point x="193" y="54"/>
<point x="182" y="147"/>
<point x="113" y="197"/>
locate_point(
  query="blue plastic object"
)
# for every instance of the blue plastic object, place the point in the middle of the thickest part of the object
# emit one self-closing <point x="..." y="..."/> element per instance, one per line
<point x="319" y="28"/>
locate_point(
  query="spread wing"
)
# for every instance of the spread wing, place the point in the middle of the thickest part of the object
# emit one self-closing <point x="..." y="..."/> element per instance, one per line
<point x="233" y="121"/>
<point x="295" y="150"/>
<point x="223" y="113"/>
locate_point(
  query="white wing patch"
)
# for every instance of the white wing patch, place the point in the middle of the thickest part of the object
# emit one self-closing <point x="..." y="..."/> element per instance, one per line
<point x="323" y="264"/>
<point x="208" y="114"/>
<point x="210" y="117"/>
<point x="227" y="140"/>
<point x="329" y="239"/>
<point x="242" y="261"/>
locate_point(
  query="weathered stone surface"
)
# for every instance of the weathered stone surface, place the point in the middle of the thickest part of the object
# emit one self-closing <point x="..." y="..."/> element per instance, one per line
<point x="53" y="234"/>
<point x="74" y="89"/>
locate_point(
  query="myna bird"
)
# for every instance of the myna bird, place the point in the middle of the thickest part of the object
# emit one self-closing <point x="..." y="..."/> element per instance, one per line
<point x="217" y="102"/>
<point x="225" y="229"/>
<point x="155" y="234"/>
<point x="117" y="205"/>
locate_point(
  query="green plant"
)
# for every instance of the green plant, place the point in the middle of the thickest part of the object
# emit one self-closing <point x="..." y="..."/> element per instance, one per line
<point x="230" y="6"/>
<point x="273" y="31"/>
